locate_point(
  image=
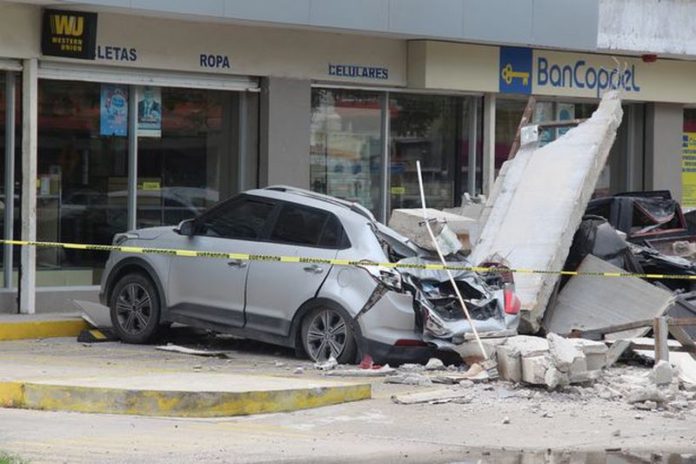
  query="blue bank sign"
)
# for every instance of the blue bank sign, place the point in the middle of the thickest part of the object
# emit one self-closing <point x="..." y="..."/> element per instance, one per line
<point x="526" y="71"/>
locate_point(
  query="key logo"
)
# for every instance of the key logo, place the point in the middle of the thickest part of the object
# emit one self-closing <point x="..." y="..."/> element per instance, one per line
<point x="515" y="70"/>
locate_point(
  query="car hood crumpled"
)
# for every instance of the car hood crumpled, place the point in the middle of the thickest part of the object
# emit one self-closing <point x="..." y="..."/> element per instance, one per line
<point x="442" y="318"/>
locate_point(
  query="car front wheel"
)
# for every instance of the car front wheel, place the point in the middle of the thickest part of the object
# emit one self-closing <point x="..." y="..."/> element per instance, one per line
<point x="326" y="333"/>
<point x="135" y="309"/>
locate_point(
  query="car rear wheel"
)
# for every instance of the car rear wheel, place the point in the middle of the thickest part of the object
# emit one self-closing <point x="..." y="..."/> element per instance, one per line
<point x="135" y="309"/>
<point x="327" y="332"/>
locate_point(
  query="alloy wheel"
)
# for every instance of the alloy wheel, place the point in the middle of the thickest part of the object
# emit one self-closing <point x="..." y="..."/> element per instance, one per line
<point x="327" y="335"/>
<point x="133" y="308"/>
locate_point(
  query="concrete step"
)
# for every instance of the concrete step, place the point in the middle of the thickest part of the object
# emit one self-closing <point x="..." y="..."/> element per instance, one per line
<point x="24" y="326"/>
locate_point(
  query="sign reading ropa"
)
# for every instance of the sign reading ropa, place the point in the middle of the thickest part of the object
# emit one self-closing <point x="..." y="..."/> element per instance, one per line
<point x="69" y="34"/>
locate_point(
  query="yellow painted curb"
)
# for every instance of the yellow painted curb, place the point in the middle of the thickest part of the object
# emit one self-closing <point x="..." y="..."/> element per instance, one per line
<point x="176" y="403"/>
<point x="41" y="329"/>
<point x="11" y="394"/>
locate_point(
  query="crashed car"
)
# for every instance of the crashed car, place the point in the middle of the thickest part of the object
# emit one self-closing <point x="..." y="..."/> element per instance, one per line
<point x="291" y="291"/>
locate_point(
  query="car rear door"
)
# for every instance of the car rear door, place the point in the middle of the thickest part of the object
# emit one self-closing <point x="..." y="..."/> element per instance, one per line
<point x="275" y="290"/>
<point x="213" y="289"/>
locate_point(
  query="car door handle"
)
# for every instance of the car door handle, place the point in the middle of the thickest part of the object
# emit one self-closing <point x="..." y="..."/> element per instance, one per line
<point x="315" y="268"/>
<point x="237" y="263"/>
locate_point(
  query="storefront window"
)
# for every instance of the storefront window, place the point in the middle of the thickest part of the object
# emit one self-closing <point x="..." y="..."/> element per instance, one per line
<point x="433" y="130"/>
<point x="4" y="203"/>
<point x="508" y="114"/>
<point x="346" y="148"/>
<point x="190" y="164"/>
<point x="82" y="172"/>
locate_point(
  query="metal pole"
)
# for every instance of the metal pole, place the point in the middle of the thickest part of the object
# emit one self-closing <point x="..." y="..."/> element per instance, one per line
<point x="132" y="156"/>
<point x="9" y="175"/>
<point x="384" y="173"/>
<point x="30" y="134"/>
<point x="242" y="153"/>
<point x="473" y="136"/>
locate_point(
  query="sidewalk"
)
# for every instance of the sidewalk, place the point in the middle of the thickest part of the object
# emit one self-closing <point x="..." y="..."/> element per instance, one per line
<point x="111" y="378"/>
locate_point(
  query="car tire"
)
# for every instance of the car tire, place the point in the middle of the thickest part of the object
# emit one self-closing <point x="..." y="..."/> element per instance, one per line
<point x="327" y="331"/>
<point x="135" y="309"/>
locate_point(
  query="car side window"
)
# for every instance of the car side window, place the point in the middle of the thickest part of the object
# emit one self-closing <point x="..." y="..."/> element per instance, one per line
<point x="301" y="225"/>
<point x="242" y="218"/>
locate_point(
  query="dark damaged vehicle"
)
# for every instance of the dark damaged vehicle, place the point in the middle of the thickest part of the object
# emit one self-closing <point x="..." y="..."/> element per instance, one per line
<point x="395" y="312"/>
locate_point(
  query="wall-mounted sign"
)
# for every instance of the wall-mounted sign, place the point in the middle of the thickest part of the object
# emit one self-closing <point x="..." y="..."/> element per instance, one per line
<point x="366" y="72"/>
<point x="515" y="71"/>
<point x="688" y="199"/>
<point x="69" y="34"/>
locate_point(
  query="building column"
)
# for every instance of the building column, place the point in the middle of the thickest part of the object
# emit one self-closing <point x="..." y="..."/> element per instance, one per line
<point x="664" y="125"/>
<point x="30" y="134"/>
<point x="285" y="132"/>
<point x="488" y="168"/>
<point x="8" y="231"/>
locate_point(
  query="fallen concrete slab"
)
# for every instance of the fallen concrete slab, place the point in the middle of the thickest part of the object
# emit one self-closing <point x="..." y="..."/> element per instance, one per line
<point x="409" y="223"/>
<point x="590" y="302"/>
<point x="539" y="202"/>
<point x="433" y="396"/>
<point x="179" y="394"/>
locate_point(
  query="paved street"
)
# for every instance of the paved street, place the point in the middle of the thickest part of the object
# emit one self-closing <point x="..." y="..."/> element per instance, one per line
<point x="374" y="430"/>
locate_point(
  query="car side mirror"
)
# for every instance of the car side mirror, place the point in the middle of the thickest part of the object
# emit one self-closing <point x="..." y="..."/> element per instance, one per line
<point x="186" y="227"/>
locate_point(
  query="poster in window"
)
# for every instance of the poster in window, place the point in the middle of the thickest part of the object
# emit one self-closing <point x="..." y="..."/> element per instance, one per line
<point x="149" y="111"/>
<point x="688" y="199"/>
<point x="564" y="112"/>
<point x="113" y="110"/>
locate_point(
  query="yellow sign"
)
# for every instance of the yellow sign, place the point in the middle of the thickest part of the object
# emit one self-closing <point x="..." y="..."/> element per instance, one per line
<point x="688" y="199"/>
<point x="398" y="190"/>
<point x="151" y="186"/>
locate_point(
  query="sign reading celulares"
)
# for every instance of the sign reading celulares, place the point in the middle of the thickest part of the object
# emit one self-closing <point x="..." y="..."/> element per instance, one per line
<point x="69" y="34"/>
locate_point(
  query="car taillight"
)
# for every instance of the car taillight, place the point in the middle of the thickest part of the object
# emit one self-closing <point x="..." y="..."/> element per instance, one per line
<point x="408" y="342"/>
<point x="512" y="303"/>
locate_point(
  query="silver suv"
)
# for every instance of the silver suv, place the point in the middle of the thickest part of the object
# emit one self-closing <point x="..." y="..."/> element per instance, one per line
<point x="321" y="309"/>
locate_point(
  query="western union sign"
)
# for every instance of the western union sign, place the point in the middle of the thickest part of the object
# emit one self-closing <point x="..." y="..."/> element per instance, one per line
<point x="70" y="34"/>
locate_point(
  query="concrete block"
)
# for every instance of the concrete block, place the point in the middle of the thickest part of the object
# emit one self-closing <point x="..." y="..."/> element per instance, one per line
<point x="662" y="373"/>
<point x="527" y="345"/>
<point x="534" y="369"/>
<point x="509" y="363"/>
<point x="565" y="354"/>
<point x="409" y="222"/>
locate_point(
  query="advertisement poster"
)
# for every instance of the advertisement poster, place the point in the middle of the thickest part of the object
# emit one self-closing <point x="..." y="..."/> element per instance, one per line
<point x="564" y="112"/>
<point x="149" y="111"/>
<point x="688" y="170"/>
<point x="113" y="110"/>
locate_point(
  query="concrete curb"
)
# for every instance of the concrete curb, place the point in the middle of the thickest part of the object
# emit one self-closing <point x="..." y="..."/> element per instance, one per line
<point x="41" y="329"/>
<point x="28" y="395"/>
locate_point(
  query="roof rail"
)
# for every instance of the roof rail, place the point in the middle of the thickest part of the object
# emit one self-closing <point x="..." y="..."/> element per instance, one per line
<point x="353" y="206"/>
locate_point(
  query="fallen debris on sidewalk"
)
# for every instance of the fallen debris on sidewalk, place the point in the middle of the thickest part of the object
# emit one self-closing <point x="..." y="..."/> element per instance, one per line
<point x="433" y="397"/>
<point x="590" y="302"/>
<point x="194" y="352"/>
<point x="520" y="204"/>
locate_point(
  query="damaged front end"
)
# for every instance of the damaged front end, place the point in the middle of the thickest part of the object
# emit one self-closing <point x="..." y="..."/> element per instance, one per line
<point x="489" y="297"/>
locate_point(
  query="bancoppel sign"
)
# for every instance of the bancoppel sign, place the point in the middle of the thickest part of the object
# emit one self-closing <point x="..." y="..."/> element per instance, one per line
<point x="542" y="72"/>
<point x="69" y="34"/>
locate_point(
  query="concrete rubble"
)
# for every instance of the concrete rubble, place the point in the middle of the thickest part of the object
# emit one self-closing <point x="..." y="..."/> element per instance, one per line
<point x="452" y="231"/>
<point x="520" y="203"/>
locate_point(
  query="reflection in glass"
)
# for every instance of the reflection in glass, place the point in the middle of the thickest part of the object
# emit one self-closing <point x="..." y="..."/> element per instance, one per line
<point x="192" y="165"/>
<point x="431" y="129"/>
<point x="345" y="151"/>
<point x="77" y="171"/>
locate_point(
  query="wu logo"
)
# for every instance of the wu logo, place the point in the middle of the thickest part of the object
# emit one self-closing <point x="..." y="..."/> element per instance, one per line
<point x="67" y="25"/>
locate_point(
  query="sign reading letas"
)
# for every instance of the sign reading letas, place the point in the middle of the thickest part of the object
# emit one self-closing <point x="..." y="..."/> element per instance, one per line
<point x="69" y="34"/>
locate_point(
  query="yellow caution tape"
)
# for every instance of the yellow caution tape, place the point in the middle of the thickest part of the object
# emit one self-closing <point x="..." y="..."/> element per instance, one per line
<point x="337" y="262"/>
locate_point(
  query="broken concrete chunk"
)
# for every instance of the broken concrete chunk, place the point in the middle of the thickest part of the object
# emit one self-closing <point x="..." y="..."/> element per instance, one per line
<point x="381" y="372"/>
<point x="564" y="353"/>
<point x="434" y="364"/>
<point x="434" y="396"/>
<point x="411" y="378"/>
<point x="618" y="348"/>
<point x="534" y="369"/>
<point x="451" y="231"/>
<point x="646" y="394"/>
<point x="328" y="365"/>
<point x="590" y="303"/>
<point x="661" y="374"/>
